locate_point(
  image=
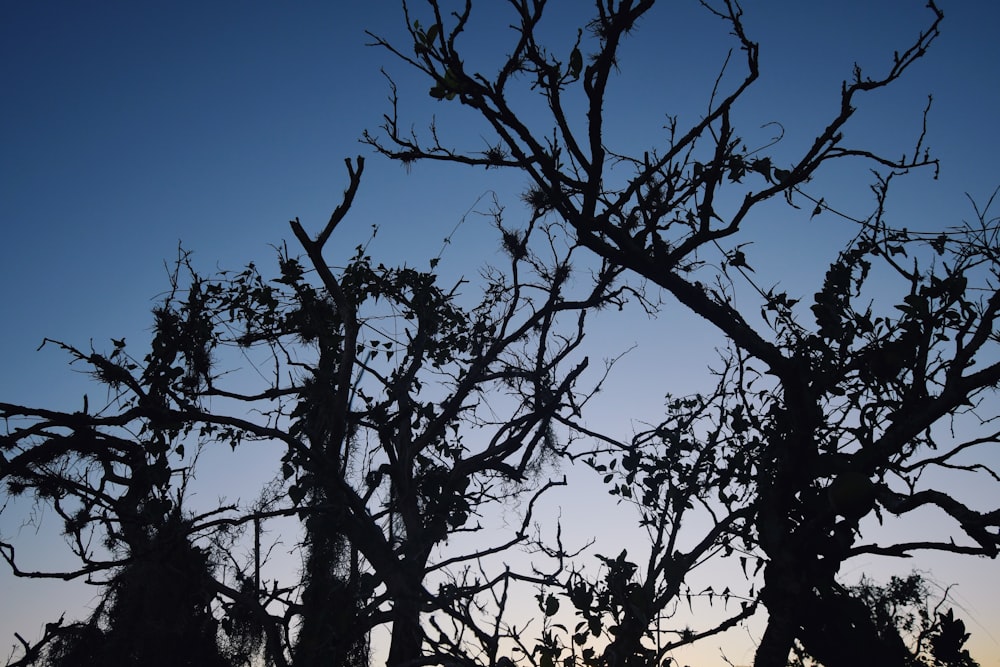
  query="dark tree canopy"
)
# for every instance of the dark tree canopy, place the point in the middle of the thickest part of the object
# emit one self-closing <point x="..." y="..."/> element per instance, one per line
<point x="403" y="415"/>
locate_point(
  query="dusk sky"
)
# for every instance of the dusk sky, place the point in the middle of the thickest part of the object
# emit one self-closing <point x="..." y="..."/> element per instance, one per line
<point x="127" y="128"/>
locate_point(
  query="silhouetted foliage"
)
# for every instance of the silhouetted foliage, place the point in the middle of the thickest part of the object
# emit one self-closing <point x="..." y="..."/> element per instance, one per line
<point x="399" y="411"/>
<point x="909" y="629"/>
<point x="156" y="610"/>
<point x="373" y="378"/>
<point x="828" y="409"/>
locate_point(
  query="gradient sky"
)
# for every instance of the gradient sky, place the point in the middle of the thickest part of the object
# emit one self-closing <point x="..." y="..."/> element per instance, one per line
<point x="128" y="127"/>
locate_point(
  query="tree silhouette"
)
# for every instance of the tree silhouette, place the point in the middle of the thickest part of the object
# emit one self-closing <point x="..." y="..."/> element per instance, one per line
<point x="398" y="412"/>
<point x="829" y="409"/>
<point x="373" y="379"/>
<point x="910" y="629"/>
<point x="156" y="607"/>
<point x="156" y="611"/>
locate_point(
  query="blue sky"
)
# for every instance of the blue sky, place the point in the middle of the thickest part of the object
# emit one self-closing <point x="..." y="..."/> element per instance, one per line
<point x="128" y="127"/>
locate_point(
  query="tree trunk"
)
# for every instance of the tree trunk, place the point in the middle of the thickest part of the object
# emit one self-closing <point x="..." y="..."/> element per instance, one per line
<point x="330" y="606"/>
<point x="779" y="636"/>
<point x="838" y="631"/>
<point x="407" y="635"/>
<point x="786" y="589"/>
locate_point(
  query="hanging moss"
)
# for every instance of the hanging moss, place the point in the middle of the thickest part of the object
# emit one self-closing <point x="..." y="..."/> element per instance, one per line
<point x="156" y="611"/>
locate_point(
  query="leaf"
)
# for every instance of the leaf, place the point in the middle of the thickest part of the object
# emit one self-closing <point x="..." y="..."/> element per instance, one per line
<point x="739" y="260"/>
<point x="818" y="209"/>
<point x="575" y="62"/>
<point x="939" y="243"/>
<point x="762" y="167"/>
<point x="432" y="34"/>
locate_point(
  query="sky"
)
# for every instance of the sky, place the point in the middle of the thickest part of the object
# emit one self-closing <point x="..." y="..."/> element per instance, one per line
<point x="128" y="128"/>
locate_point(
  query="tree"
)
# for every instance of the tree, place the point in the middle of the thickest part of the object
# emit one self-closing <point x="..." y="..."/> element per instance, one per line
<point x="397" y="417"/>
<point x="903" y="617"/>
<point x="834" y="407"/>
<point x="156" y="610"/>
<point x="398" y="411"/>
